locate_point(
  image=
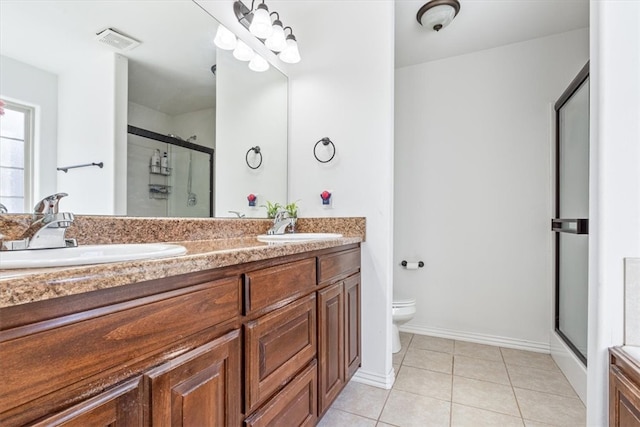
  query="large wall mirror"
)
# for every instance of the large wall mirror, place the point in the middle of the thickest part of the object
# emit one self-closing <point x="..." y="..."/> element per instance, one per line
<point x="174" y="93"/>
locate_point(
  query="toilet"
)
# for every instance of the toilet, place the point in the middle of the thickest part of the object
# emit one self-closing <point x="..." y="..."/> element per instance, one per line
<point x="403" y="310"/>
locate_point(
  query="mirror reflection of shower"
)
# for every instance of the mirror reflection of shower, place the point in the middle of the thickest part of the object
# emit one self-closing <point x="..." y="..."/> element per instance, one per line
<point x="184" y="191"/>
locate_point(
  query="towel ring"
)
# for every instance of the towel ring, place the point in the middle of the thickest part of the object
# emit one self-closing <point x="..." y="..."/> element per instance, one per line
<point x="325" y="141"/>
<point x="255" y="149"/>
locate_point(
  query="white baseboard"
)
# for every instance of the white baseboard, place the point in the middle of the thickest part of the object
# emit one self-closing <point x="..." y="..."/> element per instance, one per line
<point x="373" y="379"/>
<point x="570" y="365"/>
<point x="540" y="347"/>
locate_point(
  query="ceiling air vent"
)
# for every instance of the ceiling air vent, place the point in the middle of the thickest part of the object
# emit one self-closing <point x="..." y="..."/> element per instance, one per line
<point x="116" y="40"/>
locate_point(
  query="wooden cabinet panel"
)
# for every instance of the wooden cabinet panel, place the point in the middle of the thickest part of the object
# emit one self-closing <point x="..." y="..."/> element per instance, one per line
<point x="331" y="355"/>
<point x="295" y="405"/>
<point x="335" y="266"/>
<point x="120" y="406"/>
<point x="352" y="325"/>
<point x="277" y="346"/>
<point x="274" y="286"/>
<point x="624" y="390"/>
<point x="75" y="347"/>
<point x="200" y="388"/>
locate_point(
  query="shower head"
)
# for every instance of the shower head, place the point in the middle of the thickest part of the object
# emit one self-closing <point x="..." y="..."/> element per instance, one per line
<point x="192" y="138"/>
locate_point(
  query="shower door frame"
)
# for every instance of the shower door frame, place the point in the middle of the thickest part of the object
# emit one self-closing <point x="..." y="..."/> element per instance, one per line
<point x="582" y="225"/>
<point x="180" y="143"/>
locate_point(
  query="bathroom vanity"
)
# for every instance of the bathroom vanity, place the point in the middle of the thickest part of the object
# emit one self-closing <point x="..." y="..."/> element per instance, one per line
<point x="624" y="388"/>
<point x="260" y="342"/>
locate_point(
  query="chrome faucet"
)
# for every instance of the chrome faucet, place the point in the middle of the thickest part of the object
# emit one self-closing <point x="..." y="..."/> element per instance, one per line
<point x="280" y="223"/>
<point x="3" y="209"/>
<point x="47" y="229"/>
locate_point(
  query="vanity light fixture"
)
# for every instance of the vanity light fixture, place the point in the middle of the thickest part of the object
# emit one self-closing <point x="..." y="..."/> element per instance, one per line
<point x="290" y="54"/>
<point x="437" y="14"/>
<point x="225" y="39"/>
<point x="258" y="63"/>
<point x="242" y="52"/>
<point x="273" y="38"/>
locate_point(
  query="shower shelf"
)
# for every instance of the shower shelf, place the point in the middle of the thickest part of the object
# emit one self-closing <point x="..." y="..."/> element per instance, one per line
<point x="157" y="170"/>
<point x="159" y="191"/>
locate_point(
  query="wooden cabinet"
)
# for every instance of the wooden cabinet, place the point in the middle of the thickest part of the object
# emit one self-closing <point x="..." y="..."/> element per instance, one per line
<point x="295" y="405"/>
<point x="338" y="323"/>
<point x="624" y="389"/>
<point x="330" y="343"/>
<point x="200" y="388"/>
<point x="277" y="346"/>
<point x="352" y="339"/>
<point x="119" y="406"/>
<point x="270" y="343"/>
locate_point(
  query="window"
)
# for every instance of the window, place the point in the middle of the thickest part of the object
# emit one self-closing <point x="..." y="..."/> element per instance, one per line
<point x="15" y="157"/>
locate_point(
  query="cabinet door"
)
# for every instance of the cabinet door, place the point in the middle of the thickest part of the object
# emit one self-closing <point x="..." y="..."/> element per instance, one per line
<point x="352" y="325"/>
<point x="278" y="345"/>
<point x="295" y="405"/>
<point x="331" y="372"/>
<point x="119" y="406"/>
<point x="201" y="388"/>
<point x="624" y="400"/>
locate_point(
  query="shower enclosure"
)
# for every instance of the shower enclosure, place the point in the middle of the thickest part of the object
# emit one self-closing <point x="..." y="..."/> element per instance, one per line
<point x="571" y="222"/>
<point x="183" y="187"/>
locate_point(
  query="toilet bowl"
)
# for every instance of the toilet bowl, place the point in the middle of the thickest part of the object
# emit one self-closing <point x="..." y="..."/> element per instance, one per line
<point x="402" y="311"/>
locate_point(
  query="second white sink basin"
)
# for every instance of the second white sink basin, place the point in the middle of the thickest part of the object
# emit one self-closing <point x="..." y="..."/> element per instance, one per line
<point x="88" y="254"/>
<point x="296" y="237"/>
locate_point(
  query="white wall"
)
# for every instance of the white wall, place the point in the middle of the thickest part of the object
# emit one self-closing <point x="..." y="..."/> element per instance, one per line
<point x="614" y="228"/>
<point x="25" y="84"/>
<point x="345" y="91"/>
<point x="472" y="189"/>
<point x="87" y="132"/>
<point x="254" y="114"/>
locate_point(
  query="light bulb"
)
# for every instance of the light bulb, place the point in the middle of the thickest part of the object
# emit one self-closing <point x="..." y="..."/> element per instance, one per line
<point x="290" y="54"/>
<point x="258" y="63"/>
<point x="225" y="39"/>
<point x="243" y="52"/>
<point x="261" y="23"/>
<point x="277" y="41"/>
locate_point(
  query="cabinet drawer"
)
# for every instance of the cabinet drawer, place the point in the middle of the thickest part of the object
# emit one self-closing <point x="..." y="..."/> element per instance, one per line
<point x="46" y="357"/>
<point x="276" y="285"/>
<point x="277" y="346"/>
<point x="332" y="267"/>
<point x="295" y="405"/>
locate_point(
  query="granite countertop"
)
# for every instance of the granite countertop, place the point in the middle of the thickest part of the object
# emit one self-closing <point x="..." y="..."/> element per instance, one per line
<point x="24" y="286"/>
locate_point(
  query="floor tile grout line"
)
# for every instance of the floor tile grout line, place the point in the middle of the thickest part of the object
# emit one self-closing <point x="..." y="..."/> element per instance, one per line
<point x="513" y="390"/>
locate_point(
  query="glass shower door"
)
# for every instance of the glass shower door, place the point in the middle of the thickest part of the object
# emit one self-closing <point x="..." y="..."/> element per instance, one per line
<point x="571" y="225"/>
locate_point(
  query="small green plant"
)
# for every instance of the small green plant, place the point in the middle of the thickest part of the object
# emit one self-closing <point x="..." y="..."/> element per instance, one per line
<point x="292" y="209"/>
<point x="272" y="209"/>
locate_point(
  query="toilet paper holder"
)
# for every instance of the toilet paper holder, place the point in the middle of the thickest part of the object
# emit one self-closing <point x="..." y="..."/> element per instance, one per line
<point x="404" y="263"/>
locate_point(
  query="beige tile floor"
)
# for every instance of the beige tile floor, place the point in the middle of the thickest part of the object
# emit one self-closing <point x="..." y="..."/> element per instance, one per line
<point x="441" y="382"/>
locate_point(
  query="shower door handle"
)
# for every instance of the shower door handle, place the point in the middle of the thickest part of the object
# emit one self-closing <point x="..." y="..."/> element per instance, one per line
<point x="582" y="225"/>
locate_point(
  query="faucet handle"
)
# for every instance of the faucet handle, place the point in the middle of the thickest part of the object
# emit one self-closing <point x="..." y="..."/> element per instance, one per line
<point x="48" y="205"/>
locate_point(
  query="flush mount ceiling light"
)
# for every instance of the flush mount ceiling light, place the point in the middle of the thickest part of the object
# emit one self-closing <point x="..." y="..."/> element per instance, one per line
<point x="258" y="22"/>
<point x="437" y="14"/>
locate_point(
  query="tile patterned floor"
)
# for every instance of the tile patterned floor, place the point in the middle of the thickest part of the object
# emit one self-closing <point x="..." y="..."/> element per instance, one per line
<point x="447" y="383"/>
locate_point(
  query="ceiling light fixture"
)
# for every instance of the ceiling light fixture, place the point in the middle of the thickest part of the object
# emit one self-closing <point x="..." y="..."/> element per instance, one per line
<point x="437" y="14"/>
<point x="273" y="37"/>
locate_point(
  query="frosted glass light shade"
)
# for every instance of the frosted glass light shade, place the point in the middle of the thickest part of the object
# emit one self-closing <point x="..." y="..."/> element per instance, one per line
<point x="439" y="15"/>
<point x="225" y="39"/>
<point x="277" y="41"/>
<point x="290" y="54"/>
<point x="258" y="63"/>
<point x="243" y="52"/>
<point x="261" y="23"/>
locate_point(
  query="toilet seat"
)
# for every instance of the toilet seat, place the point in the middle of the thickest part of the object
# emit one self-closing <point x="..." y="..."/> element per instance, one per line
<point x="404" y="302"/>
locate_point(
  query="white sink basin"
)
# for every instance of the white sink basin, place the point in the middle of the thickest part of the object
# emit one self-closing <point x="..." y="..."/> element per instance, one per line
<point x="296" y="237"/>
<point x="88" y="254"/>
